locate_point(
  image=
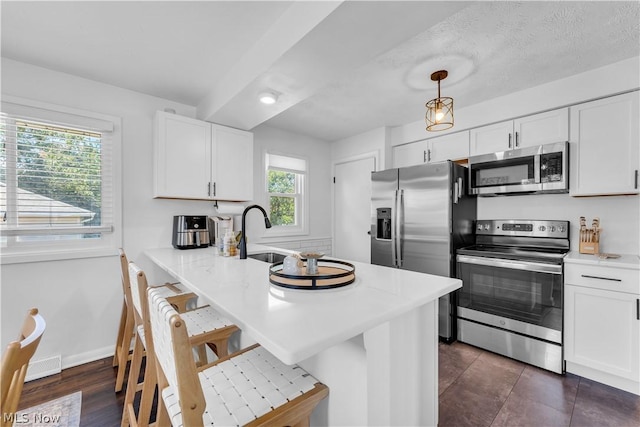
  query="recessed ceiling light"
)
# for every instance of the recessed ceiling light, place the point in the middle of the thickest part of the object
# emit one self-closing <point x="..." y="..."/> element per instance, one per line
<point x="268" y="98"/>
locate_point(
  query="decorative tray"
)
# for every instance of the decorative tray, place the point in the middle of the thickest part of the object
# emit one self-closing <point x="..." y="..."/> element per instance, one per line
<point x="331" y="274"/>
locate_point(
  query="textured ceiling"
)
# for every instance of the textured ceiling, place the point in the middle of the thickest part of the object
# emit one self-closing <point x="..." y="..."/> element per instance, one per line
<point x="341" y="68"/>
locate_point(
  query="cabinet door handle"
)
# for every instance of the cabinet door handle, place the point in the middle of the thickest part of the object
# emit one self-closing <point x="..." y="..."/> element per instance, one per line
<point x="517" y="145"/>
<point x="424" y="157"/>
<point x="601" y="278"/>
<point x="209" y="189"/>
<point x="509" y="139"/>
<point x="635" y="185"/>
<point x="638" y="308"/>
<point x="214" y="189"/>
<point x="429" y="154"/>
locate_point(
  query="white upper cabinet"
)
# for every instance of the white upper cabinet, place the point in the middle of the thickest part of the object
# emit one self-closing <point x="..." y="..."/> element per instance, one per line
<point x="182" y="153"/>
<point x="453" y="146"/>
<point x="194" y="159"/>
<point x="604" y="146"/>
<point x="537" y="129"/>
<point x="411" y="154"/>
<point x="232" y="151"/>
<point x="491" y="138"/>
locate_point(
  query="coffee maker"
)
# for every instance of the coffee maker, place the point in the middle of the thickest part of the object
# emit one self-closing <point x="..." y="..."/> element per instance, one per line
<point x="190" y="232"/>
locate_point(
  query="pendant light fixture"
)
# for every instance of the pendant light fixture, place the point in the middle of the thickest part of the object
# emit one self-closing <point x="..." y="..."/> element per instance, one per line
<point x="439" y="110"/>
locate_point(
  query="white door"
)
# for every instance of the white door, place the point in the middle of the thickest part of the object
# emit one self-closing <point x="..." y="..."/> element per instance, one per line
<point x="352" y="209"/>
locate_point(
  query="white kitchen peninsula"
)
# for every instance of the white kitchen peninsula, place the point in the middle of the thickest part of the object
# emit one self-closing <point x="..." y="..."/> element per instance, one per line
<point x="374" y="343"/>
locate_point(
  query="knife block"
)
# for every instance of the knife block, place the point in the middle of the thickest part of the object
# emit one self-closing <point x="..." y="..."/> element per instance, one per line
<point x="589" y="248"/>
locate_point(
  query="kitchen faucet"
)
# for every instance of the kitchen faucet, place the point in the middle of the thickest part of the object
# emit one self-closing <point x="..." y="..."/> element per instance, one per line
<point x="243" y="240"/>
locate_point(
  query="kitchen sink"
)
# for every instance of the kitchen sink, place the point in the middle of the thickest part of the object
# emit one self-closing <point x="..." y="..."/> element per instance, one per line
<point x="269" y="257"/>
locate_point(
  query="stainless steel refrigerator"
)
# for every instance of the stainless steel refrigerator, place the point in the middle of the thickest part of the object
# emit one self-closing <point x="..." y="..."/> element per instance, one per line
<point x="420" y="216"/>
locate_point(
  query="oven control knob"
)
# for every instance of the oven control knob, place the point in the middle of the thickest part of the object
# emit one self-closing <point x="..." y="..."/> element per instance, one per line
<point x="552" y="228"/>
<point x="487" y="226"/>
<point x="542" y="228"/>
<point x="479" y="227"/>
<point x="561" y="228"/>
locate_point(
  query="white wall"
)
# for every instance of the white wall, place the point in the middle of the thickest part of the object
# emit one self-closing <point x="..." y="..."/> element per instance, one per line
<point x="619" y="215"/>
<point x="318" y="155"/>
<point x="81" y="299"/>
<point x="373" y="141"/>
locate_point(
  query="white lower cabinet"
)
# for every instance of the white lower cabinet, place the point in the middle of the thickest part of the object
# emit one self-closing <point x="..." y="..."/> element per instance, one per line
<point x="602" y="325"/>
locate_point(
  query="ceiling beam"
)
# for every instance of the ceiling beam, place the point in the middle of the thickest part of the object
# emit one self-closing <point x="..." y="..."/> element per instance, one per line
<point x="297" y="21"/>
<point x="346" y="39"/>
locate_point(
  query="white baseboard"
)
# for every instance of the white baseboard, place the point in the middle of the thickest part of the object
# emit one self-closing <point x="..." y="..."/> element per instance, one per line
<point x="89" y="356"/>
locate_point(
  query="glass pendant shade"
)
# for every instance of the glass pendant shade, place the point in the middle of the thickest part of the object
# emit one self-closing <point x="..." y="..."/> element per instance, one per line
<point x="439" y="114"/>
<point x="439" y="110"/>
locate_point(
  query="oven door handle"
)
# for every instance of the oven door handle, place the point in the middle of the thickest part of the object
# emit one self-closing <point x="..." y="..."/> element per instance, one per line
<point x="538" y="267"/>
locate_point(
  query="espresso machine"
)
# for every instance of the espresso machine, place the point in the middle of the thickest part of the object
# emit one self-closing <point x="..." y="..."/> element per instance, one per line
<point x="190" y="232"/>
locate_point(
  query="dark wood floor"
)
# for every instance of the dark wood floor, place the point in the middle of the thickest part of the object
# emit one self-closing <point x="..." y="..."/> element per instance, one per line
<point x="477" y="388"/>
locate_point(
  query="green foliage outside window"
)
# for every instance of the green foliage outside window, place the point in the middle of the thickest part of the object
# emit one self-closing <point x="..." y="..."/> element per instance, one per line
<point x="57" y="163"/>
<point x="283" y="208"/>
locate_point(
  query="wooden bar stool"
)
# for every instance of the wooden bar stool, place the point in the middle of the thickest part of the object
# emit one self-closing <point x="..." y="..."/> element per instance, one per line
<point x="251" y="387"/>
<point x="175" y="293"/>
<point x="15" y="362"/>
<point x="204" y="325"/>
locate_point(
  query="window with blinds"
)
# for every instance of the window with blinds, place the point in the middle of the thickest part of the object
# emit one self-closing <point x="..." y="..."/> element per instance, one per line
<point x="55" y="178"/>
<point x="285" y="179"/>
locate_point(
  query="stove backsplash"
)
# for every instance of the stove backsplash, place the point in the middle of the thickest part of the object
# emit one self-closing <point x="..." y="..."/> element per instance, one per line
<point x="621" y="214"/>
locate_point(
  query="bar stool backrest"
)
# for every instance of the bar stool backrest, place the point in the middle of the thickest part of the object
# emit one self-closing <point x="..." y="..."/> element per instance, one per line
<point x="173" y="352"/>
<point x="15" y="363"/>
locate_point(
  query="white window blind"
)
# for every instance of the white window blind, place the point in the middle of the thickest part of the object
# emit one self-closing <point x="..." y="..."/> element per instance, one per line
<point x="56" y="176"/>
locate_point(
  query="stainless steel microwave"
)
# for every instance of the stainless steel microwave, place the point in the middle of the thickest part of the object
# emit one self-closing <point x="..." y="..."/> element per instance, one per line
<point x="528" y="170"/>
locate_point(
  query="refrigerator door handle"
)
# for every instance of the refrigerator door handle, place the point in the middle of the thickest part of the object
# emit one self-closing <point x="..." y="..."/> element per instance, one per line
<point x="456" y="192"/>
<point x="394" y="235"/>
<point x="399" y="220"/>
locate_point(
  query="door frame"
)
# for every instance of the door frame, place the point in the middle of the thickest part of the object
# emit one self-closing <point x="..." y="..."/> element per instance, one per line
<point x="375" y="154"/>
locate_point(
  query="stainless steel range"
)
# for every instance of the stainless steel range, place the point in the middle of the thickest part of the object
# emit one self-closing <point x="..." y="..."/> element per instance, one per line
<point x="512" y="298"/>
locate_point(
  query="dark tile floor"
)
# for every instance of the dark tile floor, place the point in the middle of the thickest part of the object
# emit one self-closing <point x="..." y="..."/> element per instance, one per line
<point x="480" y="388"/>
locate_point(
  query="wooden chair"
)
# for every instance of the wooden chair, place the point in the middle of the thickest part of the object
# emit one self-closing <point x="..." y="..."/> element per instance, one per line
<point x="15" y="363"/>
<point x="250" y="387"/>
<point x="204" y="326"/>
<point x="176" y="294"/>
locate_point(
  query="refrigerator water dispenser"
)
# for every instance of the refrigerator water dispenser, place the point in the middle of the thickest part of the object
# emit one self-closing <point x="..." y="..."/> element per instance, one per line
<point x="384" y="224"/>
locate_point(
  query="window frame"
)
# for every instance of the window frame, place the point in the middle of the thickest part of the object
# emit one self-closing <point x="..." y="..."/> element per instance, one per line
<point x="301" y="197"/>
<point x="111" y="234"/>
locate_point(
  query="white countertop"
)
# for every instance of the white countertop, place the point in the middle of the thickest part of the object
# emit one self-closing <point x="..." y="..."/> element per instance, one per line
<point x="297" y="324"/>
<point x="628" y="261"/>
